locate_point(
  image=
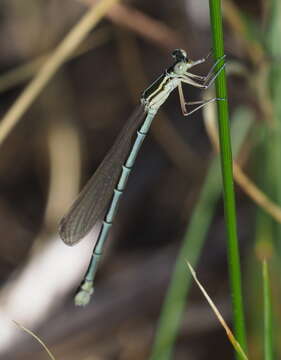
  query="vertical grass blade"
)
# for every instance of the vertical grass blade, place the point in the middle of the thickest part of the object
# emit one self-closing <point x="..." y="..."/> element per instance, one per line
<point x="174" y="303"/>
<point x="226" y="164"/>
<point x="268" y="336"/>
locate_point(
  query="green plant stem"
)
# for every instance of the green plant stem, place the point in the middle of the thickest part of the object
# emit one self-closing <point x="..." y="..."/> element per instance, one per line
<point x="226" y="165"/>
<point x="268" y="343"/>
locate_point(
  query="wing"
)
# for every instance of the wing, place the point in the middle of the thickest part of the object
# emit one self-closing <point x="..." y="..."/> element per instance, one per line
<point x="94" y="198"/>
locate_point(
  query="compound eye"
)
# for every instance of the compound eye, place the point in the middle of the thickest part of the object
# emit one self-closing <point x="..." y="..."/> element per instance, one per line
<point x="179" y="54"/>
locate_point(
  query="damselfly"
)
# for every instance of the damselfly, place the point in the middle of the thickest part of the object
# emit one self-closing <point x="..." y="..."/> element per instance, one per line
<point x="102" y="193"/>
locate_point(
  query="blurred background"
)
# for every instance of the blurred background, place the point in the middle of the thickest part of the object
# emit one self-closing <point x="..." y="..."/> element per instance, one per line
<point x="51" y="146"/>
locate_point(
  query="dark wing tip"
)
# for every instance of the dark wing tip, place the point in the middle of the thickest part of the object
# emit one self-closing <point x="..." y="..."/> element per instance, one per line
<point x="67" y="236"/>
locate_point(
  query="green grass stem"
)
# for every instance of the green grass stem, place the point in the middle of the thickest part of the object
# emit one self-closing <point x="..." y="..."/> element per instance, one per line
<point x="226" y="165"/>
<point x="268" y="336"/>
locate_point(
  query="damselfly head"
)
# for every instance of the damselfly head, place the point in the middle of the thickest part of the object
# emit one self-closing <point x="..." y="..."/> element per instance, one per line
<point x="182" y="61"/>
<point x="180" y="55"/>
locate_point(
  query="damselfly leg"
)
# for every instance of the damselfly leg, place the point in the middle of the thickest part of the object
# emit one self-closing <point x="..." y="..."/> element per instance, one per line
<point x="201" y="103"/>
<point x="212" y="70"/>
<point x="210" y="74"/>
<point x="207" y="81"/>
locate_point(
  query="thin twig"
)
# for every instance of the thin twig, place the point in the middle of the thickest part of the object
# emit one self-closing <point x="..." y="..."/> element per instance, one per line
<point x="259" y="197"/>
<point x="25" y="71"/>
<point x="140" y="23"/>
<point x="36" y="338"/>
<point x="62" y="52"/>
<point x="229" y="333"/>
